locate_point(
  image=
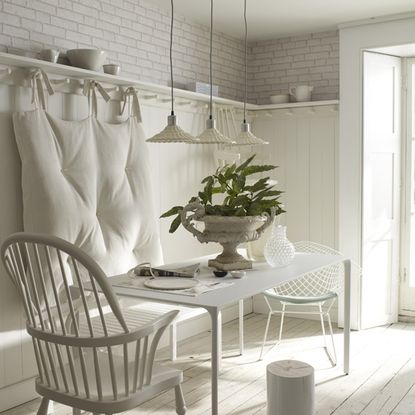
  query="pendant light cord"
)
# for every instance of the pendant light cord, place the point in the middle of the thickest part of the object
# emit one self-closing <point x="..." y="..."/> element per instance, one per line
<point x="246" y="60"/>
<point x="210" y="60"/>
<point x="171" y="56"/>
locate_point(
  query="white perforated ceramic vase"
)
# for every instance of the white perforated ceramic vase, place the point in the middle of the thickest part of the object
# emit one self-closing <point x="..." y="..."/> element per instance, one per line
<point x="279" y="251"/>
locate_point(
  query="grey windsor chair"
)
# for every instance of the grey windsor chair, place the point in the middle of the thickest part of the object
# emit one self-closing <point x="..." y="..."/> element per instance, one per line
<point x="81" y="340"/>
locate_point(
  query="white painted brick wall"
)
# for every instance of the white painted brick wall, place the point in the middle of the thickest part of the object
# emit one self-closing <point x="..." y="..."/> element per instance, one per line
<point x="312" y="59"/>
<point x="133" y="32"/>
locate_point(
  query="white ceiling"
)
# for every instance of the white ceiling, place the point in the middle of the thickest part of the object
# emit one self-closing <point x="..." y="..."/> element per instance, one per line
<point x="269" y="19"/>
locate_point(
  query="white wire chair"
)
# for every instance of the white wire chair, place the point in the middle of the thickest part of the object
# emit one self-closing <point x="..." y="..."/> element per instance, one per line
<point x="318" y="289"/>
<point x="87" y="356"/>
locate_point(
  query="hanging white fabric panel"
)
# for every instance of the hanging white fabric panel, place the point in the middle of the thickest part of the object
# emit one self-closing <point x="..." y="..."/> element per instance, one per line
<point x="89" y="183"/>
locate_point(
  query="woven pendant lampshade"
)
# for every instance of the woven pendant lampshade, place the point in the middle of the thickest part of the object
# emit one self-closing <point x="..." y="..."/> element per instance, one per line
<point x="172" y="133"/>
<point x="211" y="135"/>
<point x="246" y="137"/>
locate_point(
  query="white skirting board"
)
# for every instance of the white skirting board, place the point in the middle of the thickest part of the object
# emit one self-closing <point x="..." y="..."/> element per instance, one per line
<point x="21" y="392"/>
<point x="18" y="393"/>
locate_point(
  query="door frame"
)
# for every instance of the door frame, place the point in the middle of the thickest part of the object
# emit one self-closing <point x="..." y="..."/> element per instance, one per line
<point x="406" y="185"/>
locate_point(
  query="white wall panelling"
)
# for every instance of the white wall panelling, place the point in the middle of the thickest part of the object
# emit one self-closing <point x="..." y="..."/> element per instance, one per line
<point x="303" y="143"/>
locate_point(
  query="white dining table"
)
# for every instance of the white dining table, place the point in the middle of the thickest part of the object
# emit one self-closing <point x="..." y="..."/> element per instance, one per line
<point x="260" y="278"/>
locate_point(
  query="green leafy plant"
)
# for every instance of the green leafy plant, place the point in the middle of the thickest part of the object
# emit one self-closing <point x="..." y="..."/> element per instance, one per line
<point x="240" y="198"/>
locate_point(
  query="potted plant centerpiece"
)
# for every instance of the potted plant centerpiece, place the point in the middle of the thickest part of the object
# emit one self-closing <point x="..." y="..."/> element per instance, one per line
<point x="233" y="210"/>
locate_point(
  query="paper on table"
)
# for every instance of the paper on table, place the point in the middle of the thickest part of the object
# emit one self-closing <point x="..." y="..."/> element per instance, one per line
<point x="203" y="286"/>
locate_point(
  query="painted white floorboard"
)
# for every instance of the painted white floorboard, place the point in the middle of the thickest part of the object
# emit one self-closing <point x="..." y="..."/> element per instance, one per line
<point x="381" y="381"/>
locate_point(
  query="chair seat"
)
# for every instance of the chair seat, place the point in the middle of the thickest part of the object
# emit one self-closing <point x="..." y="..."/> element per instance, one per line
<point x="300" y="299"/>
<point x="136" y="316"/>
<point x="163" y="378"/>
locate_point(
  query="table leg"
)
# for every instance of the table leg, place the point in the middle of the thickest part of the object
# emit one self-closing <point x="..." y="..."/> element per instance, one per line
<point x="219" y="340"/>
<point x="241" y="327"/>
<point x="216" y="319"/>
<point x="347" y="295"/>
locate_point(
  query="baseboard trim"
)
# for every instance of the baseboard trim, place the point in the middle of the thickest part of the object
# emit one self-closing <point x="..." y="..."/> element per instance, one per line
<point x="17" y="394"/>
<point x="406" y="319"/>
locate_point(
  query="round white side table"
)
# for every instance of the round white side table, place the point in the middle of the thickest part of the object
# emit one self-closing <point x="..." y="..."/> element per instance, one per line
<point x="290" y="388"/>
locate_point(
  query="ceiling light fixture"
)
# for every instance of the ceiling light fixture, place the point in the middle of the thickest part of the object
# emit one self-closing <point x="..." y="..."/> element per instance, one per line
<point x="246" y="137"/>
<point x="172" y="133"/>
<point x="212" y="135"/>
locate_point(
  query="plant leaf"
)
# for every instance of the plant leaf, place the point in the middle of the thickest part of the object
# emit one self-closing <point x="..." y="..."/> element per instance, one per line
<point x="240" y="212"/>
<point x="267" y="193"/>
<point x="261" y="184"/>
<point x="175" y="224"/>
<point x="258" y="169"/>
<point x="244" y="164"/>
<point x="173" y="211"/>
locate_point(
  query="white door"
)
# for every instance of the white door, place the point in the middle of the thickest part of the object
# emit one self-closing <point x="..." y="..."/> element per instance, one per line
<point x="381" y="188"/>
<point x="407" y="291"/>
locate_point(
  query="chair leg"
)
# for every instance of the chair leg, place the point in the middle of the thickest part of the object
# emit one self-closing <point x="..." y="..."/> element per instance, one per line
<point x="180" y="403"/>
<point x="76" y="411"/>
<point x="44" y="406"/>
<point x="173" y="341"/>
<point x="322" y="325"/>
<point x="281" y="323"/>
<point x="332" y="339"/>
<point x="265" y="334"/>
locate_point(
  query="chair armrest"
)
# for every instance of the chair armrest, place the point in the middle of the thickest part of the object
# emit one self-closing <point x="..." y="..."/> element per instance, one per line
<point x="105" y="341"/>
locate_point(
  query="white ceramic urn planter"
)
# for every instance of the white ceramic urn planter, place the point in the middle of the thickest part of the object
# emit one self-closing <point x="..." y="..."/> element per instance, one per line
<point x="229" y="231"/>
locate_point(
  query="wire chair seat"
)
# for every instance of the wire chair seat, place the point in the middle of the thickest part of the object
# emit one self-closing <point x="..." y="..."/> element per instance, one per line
<point x="300" y="299"/>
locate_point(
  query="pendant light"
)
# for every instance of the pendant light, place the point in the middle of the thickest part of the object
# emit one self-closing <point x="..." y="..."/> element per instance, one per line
<point x="212" y="135"/>
<point x="172" y="133"/>
<point x="245" y="137"/>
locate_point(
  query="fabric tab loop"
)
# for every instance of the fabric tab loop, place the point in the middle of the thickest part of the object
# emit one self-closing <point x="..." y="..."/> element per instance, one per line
<point x="37" y="76"/>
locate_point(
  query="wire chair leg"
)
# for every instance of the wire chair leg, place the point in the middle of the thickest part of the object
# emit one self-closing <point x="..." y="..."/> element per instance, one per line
<point x="322" y="326"/>
<point x="332" y="339"/>
<point x="265" y="334"/>
<point x="281" y="323"/>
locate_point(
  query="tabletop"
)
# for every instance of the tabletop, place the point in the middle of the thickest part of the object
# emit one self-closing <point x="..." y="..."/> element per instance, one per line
<point x="260" y="278"/>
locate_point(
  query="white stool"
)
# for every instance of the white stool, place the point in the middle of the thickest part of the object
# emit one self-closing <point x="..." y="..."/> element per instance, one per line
<point x="290" y="388"/>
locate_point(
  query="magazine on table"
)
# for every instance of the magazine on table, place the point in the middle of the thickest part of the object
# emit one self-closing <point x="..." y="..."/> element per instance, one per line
<point x="146" y="270"/>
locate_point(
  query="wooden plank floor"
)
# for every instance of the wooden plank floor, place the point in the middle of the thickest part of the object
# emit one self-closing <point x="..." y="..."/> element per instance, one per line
<point x="382" y="378"/>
